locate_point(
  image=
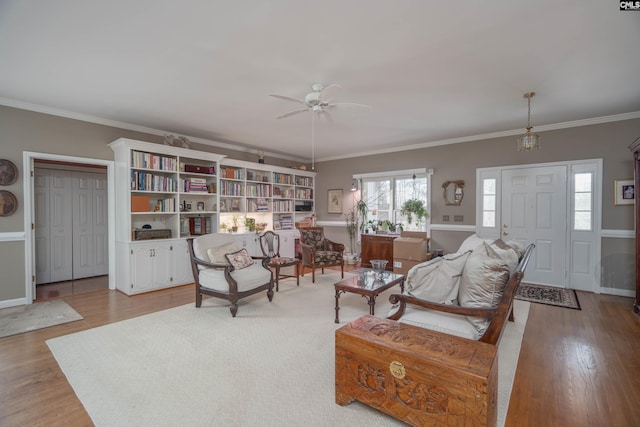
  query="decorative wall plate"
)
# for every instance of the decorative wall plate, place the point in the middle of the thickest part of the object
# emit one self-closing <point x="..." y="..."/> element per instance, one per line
<point x="8" y="172"/>
<point x="8" y="203"/>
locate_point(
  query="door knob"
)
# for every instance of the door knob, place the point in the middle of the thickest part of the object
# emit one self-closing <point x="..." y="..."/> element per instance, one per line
<point x="504" y="225"/>
<point x="504" y="233"/>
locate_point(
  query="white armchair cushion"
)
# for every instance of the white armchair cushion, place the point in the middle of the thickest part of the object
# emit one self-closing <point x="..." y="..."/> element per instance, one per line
<point x="437" y="280"/>
<point x="482" y="283"/>
<point x="248" y="278"/>
<point x="447" y="323"/>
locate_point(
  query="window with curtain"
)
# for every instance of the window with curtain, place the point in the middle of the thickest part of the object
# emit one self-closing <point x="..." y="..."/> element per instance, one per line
<point x="385" y="196"/>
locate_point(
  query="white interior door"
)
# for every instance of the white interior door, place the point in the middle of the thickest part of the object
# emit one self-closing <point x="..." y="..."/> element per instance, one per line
<point x="534" y="210"/>
<point x="100" y="225"/>
<point x="61" y="226"/>
<point x="83" y="247"/>
<point x="41" y="226"/>
<point x="90" y="232"/>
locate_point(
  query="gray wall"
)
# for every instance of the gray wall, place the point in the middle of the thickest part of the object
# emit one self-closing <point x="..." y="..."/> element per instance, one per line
<point x="608" y="141"/>
<point x="22" y="130"/>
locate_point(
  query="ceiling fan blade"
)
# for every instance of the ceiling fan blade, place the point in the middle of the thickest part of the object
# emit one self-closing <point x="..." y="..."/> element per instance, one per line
<point x="330" y="92"/>
<point x="288" y="98"/>
<point x="291" y="113"/>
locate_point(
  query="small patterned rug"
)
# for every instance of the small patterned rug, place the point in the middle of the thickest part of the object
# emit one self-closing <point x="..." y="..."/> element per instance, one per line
<point x="29" y="317"/>
<point x="549" y="295"/>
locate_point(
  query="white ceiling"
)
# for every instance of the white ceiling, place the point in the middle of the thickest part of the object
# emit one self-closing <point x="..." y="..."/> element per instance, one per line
<point x="431" y="71"/>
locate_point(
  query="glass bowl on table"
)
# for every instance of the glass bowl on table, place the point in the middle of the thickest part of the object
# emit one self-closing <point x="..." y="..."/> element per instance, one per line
<point x="379" y="266"/>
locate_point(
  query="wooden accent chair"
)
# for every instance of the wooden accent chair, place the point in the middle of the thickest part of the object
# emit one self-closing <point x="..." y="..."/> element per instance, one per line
<point x="320" y="252"/>
<point x="215" y="276"/>
<point x="270" y="246"/>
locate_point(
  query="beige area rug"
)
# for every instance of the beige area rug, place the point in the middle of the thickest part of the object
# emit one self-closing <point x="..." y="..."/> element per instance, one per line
<point x="272" y="365"/>
<point x="27" y="318"/>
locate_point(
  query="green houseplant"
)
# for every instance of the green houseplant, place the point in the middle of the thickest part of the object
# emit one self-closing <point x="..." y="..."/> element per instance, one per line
<point x="414" y="207"/>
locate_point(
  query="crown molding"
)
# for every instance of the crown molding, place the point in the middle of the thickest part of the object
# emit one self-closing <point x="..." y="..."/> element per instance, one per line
<point x="123" y="125"/>
<point x="492" y="135"/>
<point x="136" y="128"/>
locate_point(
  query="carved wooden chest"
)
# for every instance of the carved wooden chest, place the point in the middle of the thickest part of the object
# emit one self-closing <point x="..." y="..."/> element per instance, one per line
<point x="422" y="377"/>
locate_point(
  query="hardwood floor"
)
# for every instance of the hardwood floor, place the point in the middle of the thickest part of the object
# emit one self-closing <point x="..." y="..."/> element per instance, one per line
<point x="576" y="368"/>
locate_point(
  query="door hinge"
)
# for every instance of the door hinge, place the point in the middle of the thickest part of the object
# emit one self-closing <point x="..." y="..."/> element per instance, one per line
<point x="31" y="174"/>
<point x="33" y="278"/>
<point x="33" y="226"/>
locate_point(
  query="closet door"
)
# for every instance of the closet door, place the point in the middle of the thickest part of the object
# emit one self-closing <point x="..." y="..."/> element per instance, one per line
<point x="90" y="238"/>
<point x="42" y="227"/>
<point x="100" y="225"/>
<point x="61" y="225"/>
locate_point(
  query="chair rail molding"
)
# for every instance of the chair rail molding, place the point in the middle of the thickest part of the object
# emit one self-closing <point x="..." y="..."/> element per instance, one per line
<point x="14" y="236"/>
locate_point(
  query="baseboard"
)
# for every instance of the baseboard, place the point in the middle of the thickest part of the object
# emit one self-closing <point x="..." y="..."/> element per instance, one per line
<point x="618" y="292"/>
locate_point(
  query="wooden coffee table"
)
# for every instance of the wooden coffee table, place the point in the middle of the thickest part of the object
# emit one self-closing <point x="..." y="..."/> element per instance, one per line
<point x="369" y="284"/>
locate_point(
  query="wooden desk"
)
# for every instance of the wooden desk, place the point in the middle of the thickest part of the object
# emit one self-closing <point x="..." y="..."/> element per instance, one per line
<point x="377" y="246"/>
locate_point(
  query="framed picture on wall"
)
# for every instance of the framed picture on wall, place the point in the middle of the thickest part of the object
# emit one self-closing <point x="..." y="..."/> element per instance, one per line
<point x="625" y="193"/>
<point x="334" y="201"/>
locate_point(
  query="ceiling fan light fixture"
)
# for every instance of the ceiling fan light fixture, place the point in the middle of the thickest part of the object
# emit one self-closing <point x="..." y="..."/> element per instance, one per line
<point x="528" y="141"/>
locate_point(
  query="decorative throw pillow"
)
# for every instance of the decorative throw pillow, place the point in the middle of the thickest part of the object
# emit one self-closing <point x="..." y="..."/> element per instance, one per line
<point x="217" y="253"/>
<point x="482" y="283"/>
<point x="240" y="259"/>
<point x="471" y="242"/>
<point x="518" y="246"/>
<point x="507" y="252"/>
<point x="437" y="280"/>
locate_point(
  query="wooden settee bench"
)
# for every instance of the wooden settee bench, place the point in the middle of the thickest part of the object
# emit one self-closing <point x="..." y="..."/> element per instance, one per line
<point x="421" y="376"/>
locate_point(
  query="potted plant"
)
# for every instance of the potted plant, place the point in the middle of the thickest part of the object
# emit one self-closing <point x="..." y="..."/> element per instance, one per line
<point x="414" y="207"/>
<point x="250" y="224"/>
<point x="384" y="225"/>
<point x="352" y="230"/>
<point x="234" y="227"/>
<point x="362" y="209"/>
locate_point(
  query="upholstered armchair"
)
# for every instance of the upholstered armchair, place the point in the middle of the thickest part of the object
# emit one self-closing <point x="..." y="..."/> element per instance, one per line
<point x="221" y="270"/>
<point x="319" y="252"/>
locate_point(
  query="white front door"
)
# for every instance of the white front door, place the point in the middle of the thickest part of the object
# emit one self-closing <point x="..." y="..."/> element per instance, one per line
<point x="534" y="210"/>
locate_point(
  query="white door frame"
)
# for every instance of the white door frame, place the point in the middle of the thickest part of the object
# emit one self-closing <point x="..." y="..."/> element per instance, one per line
<point x="571" y="165"/>
<point x="28" y="159"/>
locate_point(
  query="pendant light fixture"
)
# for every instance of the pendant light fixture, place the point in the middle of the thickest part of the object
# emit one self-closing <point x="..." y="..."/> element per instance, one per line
<point x="528" y="141"/>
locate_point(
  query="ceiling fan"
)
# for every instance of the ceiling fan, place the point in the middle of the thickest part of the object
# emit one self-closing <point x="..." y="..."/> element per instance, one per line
<point x="320" y="101"/>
